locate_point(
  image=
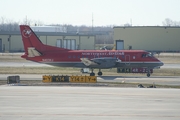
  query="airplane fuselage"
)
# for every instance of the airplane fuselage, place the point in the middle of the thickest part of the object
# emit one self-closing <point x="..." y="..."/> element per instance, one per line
<point x="129" y="58"/>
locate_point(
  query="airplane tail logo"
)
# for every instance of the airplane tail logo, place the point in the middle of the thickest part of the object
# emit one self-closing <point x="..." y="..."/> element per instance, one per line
<point x="26" y="33"/>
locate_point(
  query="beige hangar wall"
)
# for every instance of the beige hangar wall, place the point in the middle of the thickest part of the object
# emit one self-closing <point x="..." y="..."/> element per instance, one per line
<point x="16" y="44"/>
<point x="149" y="38"/>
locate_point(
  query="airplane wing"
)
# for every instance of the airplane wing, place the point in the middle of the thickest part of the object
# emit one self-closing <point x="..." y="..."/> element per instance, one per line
<point x="105" y="62"/>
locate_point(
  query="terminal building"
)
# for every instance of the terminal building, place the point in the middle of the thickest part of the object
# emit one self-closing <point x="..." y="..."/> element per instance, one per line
<point x="150" y="38"/>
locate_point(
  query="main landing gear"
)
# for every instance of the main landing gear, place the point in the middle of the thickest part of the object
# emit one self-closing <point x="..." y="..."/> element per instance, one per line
<point x="93" y="74"/>
<point x="99" y="73"/>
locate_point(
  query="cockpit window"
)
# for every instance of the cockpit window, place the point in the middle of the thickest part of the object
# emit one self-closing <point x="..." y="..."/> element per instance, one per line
<point x="150" y="55"/>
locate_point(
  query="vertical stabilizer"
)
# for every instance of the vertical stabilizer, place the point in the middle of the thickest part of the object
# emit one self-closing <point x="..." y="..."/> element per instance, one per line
<point x="32" y="44"/>
<point x="30" y="40"/>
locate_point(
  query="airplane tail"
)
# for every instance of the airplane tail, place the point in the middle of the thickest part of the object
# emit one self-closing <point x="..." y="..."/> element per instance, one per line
<point x="32" y="45"/>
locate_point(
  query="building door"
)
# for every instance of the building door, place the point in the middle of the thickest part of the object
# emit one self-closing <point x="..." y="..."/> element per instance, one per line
<point x="73" y="44"/>
<point x="59" y="43"/>
<point x="0" y="45"/>
<point x="119" y="44"/>
<point x="68" y="44"/>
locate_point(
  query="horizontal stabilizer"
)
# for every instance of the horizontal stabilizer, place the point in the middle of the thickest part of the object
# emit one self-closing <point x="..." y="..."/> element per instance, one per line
<point x="32" y="52"/>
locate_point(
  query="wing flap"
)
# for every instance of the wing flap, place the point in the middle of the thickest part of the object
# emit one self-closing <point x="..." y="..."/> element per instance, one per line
<point x="88" y="62"/>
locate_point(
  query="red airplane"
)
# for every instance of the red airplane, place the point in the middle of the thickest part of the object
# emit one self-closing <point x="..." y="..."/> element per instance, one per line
<point x="36" y="51"/>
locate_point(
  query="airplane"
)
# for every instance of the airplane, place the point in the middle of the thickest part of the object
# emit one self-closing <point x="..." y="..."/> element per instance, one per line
<point x="36" y="51"/>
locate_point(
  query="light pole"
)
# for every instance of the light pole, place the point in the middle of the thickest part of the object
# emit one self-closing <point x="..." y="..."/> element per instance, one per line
<point x="9" y="40"/>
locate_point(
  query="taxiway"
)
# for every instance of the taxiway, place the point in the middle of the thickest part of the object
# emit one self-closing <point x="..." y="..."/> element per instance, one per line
<point x="84" y="103"/>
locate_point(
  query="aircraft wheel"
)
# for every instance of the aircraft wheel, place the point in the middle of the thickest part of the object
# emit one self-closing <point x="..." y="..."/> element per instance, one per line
<point x="99" y="73"/>
<point x="148" y="74"/>
<point x="92" y="74"/>
<point x="82" y="71"/>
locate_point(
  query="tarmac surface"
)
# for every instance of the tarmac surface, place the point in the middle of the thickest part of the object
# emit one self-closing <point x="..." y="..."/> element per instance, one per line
<point x="87" y="103"/>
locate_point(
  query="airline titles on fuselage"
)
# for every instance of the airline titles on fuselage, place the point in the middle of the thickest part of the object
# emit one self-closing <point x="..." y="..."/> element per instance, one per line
<point x="103" y="53"/>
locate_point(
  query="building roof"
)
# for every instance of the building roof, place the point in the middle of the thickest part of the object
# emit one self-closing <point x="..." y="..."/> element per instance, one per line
<point x="146" y="27"/>
<point x="42" y="33"/>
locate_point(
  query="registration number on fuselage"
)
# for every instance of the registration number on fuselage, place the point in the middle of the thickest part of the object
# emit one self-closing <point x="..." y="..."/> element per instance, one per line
<point x="47" y="60"/>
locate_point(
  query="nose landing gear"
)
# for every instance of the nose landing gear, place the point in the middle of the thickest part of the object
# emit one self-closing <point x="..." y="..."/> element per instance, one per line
<point x="148" y="73"/>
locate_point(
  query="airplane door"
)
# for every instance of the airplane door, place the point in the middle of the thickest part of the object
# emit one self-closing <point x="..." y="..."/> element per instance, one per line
<point x="127" y="59"/>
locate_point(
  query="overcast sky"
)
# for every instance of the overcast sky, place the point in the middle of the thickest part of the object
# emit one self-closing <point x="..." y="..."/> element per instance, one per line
<point x="79" y="12"/>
